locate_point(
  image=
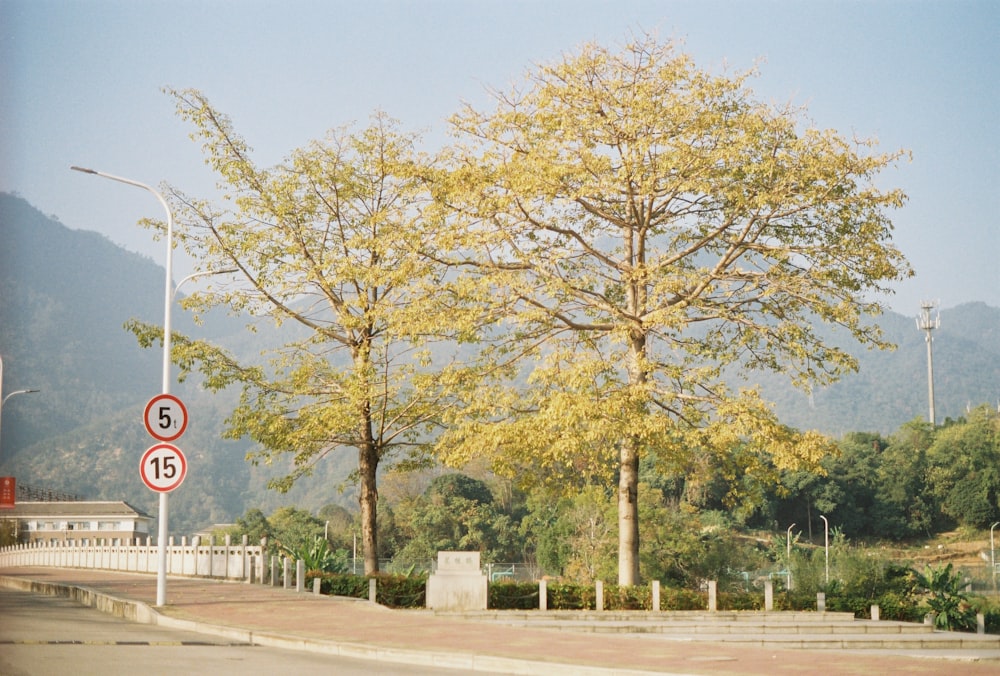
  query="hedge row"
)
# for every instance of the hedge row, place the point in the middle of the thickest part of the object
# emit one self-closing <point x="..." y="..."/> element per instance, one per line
<point x="395" y="591"/>
<point x="399" y="591"/>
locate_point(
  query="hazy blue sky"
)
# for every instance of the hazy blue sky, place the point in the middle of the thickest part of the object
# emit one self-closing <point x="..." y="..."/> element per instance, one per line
<point x="81" y="84"/>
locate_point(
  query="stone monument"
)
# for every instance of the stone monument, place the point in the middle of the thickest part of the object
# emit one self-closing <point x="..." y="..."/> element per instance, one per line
<point x="458" y="583"/>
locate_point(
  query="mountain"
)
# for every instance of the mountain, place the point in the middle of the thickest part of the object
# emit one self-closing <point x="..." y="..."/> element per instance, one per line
<point x="65" y="295"/>
<point x="890" y="387"/>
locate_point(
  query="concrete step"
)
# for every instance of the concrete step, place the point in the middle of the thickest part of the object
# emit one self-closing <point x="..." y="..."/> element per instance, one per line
<point x="816" y="631"/>
<point x="955" y="641"/>
<point x="702" y="627"/>
<point x="791" y="616"/>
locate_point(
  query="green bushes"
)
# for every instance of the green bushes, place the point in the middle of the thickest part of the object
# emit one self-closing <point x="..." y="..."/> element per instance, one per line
<point x="901" y="593"/>
<point x="946" y="599"/>
<point x="513" y="596"/>
<point x="395" y="591"/>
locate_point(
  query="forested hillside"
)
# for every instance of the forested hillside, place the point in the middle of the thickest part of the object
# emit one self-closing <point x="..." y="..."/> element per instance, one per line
<point x="65" y="296"/>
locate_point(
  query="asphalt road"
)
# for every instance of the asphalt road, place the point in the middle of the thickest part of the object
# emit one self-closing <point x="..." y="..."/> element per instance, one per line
<point x="52" y="636"/>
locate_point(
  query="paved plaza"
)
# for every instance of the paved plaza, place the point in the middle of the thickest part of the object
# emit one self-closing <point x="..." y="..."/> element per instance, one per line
<point x="496" y="642"/>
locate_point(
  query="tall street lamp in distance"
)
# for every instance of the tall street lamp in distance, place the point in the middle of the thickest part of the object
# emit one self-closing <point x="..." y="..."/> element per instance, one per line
<point x="788" y="545"/>
<point x="993" y="557"/>
<point x="161" y="571"/>
<point x="826" y="546"/>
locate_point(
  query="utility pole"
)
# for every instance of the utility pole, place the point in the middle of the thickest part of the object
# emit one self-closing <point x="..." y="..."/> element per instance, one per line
<point x="927" y="324"/>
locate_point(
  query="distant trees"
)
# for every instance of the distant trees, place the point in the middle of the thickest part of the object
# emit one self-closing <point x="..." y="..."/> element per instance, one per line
<point x="876" y="489"/>
<point x="919" y="481"/>
<point x="456" y="513"/>
<point x="964" y="468"/>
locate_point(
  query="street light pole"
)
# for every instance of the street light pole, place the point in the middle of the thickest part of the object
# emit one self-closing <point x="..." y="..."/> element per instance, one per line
<point x="788" y="546"/>
<point x="3" y="399"/>
<point x="161" y="570"/>
<point x="826" y="546"/>
<point x="993" y="558"/>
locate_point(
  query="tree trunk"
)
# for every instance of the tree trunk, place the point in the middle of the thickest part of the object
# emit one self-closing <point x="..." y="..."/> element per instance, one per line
<point x="628" y="463"/>
<point x="367" y="467"/>
<point x="628" y="514"/>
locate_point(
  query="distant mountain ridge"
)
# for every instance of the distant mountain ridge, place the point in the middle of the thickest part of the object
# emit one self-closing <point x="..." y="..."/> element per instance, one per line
<point x="890" y="387"/>
<point x="65" y="295"/>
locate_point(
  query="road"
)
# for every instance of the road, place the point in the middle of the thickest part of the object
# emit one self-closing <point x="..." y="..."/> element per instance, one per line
<point x="49" y="636"/>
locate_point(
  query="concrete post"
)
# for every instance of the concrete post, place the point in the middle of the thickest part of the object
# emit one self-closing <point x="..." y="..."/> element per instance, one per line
<point x="655" y="590"/>
<point x="244" y="573"/>
<point x="980" y="623"/>
<point x="543" y="594"/>
<point x="820" y="602"/>
<point x="274" y="571"/>
<point x="372" y="590"/>
<point x="768" y="595"/>
<point x="286" y="573"/>
<point x="300" y="575"/>
<point x="316" y="585"/>
<point x="876" y="613"/>
<point x="599" y="590"/>
<point x="713" y="596"/>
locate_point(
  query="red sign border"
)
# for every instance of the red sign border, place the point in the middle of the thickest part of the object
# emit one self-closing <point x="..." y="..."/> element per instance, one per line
<point x="142" y="468"/>
<point x="149" y="429"/>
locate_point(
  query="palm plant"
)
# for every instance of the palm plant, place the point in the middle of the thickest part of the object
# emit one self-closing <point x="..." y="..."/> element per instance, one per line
<point x="947" y="601"/>
<point x="317" y="555"/>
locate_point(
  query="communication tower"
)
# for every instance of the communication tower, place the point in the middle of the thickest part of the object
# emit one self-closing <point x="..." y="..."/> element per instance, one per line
<point x="926" y="323"/>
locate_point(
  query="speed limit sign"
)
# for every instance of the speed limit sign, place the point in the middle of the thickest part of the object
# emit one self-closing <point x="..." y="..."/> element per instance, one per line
<point x="165" y="417"/>
<point x="163" y="468"/>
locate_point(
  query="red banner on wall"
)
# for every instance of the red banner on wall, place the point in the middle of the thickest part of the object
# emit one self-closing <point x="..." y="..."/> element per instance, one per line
<point x="8" y="492"/>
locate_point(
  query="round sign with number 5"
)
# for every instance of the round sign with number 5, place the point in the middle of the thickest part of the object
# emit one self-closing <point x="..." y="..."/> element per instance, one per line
<point x="166" y="417"/>
<point x="163" y="468"/>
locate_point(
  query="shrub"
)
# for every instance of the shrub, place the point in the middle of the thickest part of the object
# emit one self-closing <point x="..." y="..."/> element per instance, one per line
<point x="317" y="555"/>
<point x="949" y="604"/>
<point x="740" y="600"/>
<point x="402" y="591"/>
<point x="682" y="599"/>
<point x="627" y="598"/>
<point x="337" y="584"/>
<point x="513" y="596"/>
<point x="563" y="596"/>
<point x="395" y="591"/>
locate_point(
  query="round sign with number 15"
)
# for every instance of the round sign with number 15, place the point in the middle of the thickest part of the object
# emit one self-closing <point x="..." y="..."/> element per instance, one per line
<point x="163" y="468"/>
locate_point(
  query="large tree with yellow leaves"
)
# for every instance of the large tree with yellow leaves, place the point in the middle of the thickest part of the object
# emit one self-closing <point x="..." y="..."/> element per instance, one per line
<point x="648" y="227"/>
<point x="332" y="242"/>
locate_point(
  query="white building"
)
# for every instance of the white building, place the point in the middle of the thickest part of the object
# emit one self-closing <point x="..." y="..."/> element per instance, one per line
<point x="79" y="523"/>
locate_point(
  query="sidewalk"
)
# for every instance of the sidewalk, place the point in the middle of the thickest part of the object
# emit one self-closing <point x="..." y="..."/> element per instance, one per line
<point x="286" y="619"/>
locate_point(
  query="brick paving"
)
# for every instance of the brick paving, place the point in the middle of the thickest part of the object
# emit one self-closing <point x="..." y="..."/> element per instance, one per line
<point x="353" y="627"/>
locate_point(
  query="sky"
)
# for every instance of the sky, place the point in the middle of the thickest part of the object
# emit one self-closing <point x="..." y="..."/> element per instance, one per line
<point x="81" y="83"/>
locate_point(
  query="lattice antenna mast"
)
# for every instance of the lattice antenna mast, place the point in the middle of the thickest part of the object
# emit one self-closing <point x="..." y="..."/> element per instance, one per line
<point x="926" y="323"/>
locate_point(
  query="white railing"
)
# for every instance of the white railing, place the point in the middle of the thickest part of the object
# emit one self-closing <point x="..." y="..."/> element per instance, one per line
<point x="240" y="562"/>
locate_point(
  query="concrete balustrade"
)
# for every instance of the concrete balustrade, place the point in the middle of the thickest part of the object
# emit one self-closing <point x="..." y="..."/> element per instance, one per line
<point x="190" y="560"/>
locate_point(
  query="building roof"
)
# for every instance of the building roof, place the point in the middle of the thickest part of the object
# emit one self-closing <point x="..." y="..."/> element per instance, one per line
<point x="73" y="510"/>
